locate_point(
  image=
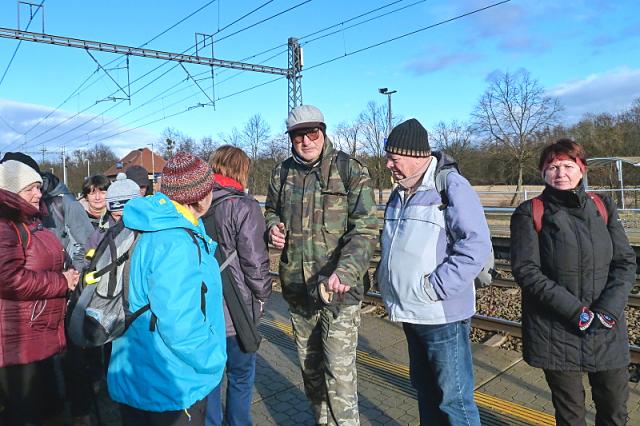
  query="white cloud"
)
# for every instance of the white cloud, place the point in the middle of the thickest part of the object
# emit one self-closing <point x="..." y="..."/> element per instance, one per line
<point x="608" y="92"/>
<point x="58" y="130"/>
<point x="432" y="63"/>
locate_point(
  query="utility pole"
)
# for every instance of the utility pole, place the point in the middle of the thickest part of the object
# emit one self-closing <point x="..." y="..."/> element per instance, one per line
<point x="88" y="161"/>
<point x="43" y="151"/>
<point x="386" y="91"/>
<point x="64" y="166"/>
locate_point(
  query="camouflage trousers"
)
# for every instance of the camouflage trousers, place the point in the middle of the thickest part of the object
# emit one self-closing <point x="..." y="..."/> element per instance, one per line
<point x="327" y="354"/>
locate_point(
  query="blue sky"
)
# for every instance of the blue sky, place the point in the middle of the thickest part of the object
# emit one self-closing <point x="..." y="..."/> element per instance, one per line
<point x="585" y="52"/>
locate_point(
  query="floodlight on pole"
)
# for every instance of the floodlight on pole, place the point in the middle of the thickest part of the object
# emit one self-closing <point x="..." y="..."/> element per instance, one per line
<point x="386" y="91"/>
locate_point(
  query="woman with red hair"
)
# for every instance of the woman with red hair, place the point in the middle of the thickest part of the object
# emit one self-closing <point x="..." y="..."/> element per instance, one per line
<point x="571" y="257"/>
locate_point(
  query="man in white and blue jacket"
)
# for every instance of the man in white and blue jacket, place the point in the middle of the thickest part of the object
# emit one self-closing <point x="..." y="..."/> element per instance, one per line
<point x="433" y="246"/>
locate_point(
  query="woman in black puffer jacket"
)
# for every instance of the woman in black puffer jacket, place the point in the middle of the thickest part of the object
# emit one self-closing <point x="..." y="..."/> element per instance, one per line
<point x="575" y="274"/>
<point x="239" y="225"/>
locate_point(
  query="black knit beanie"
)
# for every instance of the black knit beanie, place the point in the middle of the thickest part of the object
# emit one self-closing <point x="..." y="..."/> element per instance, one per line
<point x="410" y="139"/>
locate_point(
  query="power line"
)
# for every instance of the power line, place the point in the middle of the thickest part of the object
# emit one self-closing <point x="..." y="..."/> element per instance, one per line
<point x="243" y="16"/>
<point x="156" y="68"/>
<point x="109" y="63"/>
<point x="342" y="28"/>
<point x="325" y="62"/>
<point x="264" y="20"/>
<point x="20" y="42"/>
<point x="8" y="124"/>
<point x="428" y="27"/>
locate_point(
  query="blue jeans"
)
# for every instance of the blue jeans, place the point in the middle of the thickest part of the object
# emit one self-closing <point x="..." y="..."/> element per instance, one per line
<point x="241" y="373"/>
<point x="441" y="370"/>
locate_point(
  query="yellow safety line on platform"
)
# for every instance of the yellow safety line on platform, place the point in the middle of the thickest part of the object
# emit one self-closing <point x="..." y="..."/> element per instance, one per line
<point x="493" y="403"/>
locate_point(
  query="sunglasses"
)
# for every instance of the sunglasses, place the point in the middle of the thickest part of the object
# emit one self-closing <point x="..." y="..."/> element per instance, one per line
<point x="298" y="136"/>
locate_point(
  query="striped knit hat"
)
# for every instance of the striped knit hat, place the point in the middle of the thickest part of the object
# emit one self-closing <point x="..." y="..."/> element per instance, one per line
<point x="409" y="139"/>
<point x="186" y="178"/>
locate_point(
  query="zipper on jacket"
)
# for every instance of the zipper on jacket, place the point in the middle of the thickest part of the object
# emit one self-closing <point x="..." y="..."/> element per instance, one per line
<point x="578" y="242"/>
<point x="403" y="204"/>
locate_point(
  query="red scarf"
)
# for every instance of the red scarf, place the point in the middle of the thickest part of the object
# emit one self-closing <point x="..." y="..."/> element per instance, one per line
<point x="227" y="182"/>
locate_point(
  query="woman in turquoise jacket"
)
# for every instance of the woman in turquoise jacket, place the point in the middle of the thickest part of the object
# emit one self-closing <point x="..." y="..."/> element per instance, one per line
<point x="173" y="355"/>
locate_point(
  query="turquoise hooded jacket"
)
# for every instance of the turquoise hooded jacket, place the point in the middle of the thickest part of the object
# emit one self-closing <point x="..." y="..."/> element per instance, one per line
<point x="182" y="361"/>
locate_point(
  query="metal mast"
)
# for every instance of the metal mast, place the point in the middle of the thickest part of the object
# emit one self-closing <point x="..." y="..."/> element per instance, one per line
<point x="294" y="76"/>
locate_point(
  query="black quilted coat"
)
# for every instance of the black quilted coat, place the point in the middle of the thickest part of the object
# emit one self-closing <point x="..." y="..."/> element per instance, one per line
<point x="576" y="260"/>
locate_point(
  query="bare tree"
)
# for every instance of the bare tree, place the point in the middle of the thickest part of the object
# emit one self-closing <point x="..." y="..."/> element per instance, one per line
<point x="347" y="136"/>
<point x="373" y="124"/>
<point x="510" y="112"/>
<point x="233" y="138"/>
<point x="278" y="148"/>
<point x="255" y="133"/>
<point x="454" y="138"/>
<point x="206" y="147"/>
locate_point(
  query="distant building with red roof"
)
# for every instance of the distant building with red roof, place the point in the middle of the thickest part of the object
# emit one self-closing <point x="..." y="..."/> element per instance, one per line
<point x="152" y="162"/>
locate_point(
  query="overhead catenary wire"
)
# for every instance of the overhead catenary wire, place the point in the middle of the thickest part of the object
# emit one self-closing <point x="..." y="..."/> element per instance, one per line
<point x="330" y="61"/>
<point x="428" y="27"/>
<point x="6" y="70"/>
<point x="303" y="37"/>
<point x="77" y="90"/>
<point x="153" y="70"/>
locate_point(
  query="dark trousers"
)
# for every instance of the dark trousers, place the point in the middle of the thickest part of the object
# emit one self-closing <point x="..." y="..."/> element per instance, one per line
<point x="192" y="416"/>
<point x="29" y="393"/>
<point x="81" y="368"/>
<point x="241" y="373"/>
<point x="609" y="390"/>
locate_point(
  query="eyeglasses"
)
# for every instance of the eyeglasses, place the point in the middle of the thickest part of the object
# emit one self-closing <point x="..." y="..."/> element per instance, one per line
<point x="298" y="136"/>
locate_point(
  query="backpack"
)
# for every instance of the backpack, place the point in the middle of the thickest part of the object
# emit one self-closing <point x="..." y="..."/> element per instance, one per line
<point x="487" y="273"/>
<point x="101" y="310"/>
<point x="537" y="210"/>
<point x="24" y="235"/>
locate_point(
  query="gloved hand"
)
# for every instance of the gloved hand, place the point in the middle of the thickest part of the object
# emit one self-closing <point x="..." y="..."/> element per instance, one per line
<point x="585" y="318"/>
<point x="606" y="320"/>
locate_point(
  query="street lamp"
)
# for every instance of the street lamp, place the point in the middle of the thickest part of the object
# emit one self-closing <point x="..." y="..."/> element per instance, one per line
<point x="86" y="160"/>
<point x="385" y="91"/>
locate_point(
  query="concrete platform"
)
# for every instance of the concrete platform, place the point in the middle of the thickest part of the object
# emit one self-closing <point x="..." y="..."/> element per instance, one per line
<point x="508" y="391"/>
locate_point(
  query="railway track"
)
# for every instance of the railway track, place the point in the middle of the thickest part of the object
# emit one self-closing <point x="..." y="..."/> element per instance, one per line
<point x="500" y="325"/>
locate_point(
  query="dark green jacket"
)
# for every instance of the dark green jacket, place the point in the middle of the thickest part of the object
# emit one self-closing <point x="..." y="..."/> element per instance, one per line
<point x="329" y="228"/>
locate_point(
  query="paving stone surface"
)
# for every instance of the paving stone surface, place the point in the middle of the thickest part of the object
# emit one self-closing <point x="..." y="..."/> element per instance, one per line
<point x="385" y="395"/>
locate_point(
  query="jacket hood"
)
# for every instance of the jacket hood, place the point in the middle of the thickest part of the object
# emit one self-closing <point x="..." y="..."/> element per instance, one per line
<point x="445" y="161"/>
<point x="52" y="186"/>
<point x="158" y="212"/>
<point x="14" y="208"/>
<point x="219" y="192"/>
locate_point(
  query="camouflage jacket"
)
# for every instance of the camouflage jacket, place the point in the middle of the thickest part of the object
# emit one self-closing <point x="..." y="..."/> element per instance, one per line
<point x="329" y="228"/>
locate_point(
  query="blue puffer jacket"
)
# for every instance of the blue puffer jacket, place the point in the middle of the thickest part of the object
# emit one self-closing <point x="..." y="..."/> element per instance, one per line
<point x="180" y="362"/>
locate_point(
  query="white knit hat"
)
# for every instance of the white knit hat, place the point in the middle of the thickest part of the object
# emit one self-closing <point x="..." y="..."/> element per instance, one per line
<point x="16" y="176"/>
<point x="121" y="191"/>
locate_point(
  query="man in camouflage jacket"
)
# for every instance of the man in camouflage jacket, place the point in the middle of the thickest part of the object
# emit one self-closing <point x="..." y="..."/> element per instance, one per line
<point x="320" y="211"/>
